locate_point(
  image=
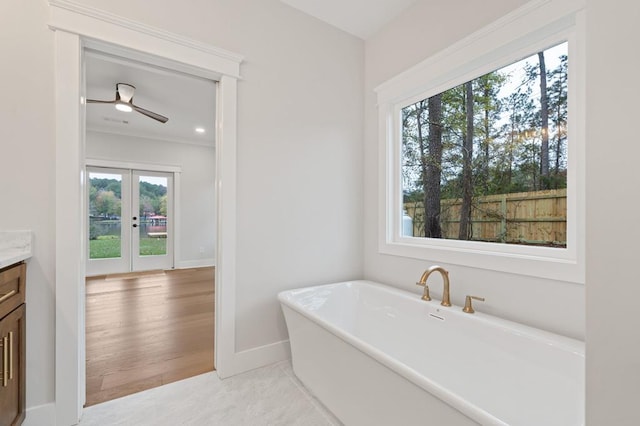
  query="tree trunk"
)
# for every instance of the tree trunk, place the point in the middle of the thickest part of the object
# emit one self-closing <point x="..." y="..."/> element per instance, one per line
<point x="560" y="136"/>
<point x="423" y="144"/>
<point x="487" y="139"/>
<point x="558" y="143"/>
<point x="433" y="170"/>
<point x="544" y="114"/>
<point x="511" y="147"/>
<point x="467" y="172"/>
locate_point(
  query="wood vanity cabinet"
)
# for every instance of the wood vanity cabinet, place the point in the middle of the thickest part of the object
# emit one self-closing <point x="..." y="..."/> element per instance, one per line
<point x="12" y="344"/>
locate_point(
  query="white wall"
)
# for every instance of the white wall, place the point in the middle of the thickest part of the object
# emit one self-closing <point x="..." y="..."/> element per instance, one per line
<point x="417" y="34"/>
<point x="611" y="325"/>
<point x="299" y="147"/>
<point x="300" y="171"/>
<point x="613" y="206"/>
<point x="27" y="191"/>
<point x="299" y="154"/>
<point x="197" y="186"/>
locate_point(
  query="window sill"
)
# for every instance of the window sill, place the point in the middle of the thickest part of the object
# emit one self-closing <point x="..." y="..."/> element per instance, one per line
<point x="542" y="262"/>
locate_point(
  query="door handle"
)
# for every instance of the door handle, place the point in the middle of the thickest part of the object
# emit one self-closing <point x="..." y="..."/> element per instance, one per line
<point x="11" y="355"/>
<point x="135" y="218"/>
<point x="5" y="361"/>
<point x="135" y="225"/>
<point x="5" y="296"/>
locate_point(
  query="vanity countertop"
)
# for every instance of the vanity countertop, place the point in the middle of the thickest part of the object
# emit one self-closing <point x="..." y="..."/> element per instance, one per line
<point x="15" y="246"/>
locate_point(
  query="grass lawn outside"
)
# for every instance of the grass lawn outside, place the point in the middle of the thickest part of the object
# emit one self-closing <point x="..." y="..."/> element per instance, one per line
<point x="153" y="246"/>
<point x="108" y="246"/>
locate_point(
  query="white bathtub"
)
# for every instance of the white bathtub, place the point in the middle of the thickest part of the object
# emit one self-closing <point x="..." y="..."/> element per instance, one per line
<point x="376" y="355"/>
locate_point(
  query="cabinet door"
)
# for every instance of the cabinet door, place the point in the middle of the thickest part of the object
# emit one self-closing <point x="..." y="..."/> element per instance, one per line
<point x="12" y="358"/>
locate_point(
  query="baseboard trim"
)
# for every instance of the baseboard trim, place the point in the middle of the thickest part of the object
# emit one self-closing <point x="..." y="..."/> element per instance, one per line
<point x="41" y="415"/>
<point x="243" y="361"/>
<point x="199" y="263"/>
<point x="261" y="356"/>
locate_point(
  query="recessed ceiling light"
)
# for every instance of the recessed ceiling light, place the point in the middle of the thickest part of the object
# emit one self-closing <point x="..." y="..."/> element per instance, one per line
<point x="200" y="130"/>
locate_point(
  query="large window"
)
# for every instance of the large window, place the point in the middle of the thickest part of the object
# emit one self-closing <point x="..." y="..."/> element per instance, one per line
<point x="482" y="153"/>
<point x="487" y="160"/>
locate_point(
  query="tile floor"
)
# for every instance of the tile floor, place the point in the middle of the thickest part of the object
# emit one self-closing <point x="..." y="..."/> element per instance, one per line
<point x="271" y="395"/>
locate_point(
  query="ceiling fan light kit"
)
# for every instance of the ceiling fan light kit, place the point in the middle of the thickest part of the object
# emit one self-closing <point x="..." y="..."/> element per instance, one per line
<point x="123" y="107"/>
<point x="124" y="102"/>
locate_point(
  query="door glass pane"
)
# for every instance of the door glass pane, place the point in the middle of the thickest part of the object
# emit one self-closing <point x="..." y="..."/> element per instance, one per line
<point x="105" y="218"/>
<point x="153" y="215"/>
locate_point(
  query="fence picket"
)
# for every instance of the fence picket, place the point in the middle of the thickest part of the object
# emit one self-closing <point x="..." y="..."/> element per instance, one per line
<point x="532" y="218"/>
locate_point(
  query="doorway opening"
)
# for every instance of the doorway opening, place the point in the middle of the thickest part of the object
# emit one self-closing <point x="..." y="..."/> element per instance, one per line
<point x="150" y="227"/>
<point x="77" y="28"/>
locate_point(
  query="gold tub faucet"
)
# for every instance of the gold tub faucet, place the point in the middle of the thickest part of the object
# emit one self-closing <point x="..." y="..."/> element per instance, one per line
<point x="445" y="278"/>
<point x="468" y="307"/>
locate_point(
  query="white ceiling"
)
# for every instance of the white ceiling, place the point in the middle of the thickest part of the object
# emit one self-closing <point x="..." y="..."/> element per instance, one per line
<point x="187" y="101"/>
<point x="362" y="18"/>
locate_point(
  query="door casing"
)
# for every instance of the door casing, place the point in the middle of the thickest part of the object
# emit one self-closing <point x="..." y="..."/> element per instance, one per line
<point x="77" y="27"/>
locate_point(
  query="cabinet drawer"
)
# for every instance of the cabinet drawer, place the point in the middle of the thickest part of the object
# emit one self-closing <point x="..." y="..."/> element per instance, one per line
<point x="12" y="287"/>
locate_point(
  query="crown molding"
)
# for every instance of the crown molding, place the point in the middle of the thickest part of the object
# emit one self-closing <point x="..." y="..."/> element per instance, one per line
<point x="142" y="135"/>
<point x="87" y="21"/>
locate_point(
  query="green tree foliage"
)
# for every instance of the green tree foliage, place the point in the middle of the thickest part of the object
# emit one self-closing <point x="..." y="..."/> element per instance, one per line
<point x="558" y="118"/>
<point x="105" y="198"/>
<point x="152" y="190"/>
<point x="151" y="199"/>
<point x="104" y="184"/>
<point x="495" y="124"/>
<point x="489" y="109"/>
<point x="107" y="204"/>
<point x="163" y="205"/>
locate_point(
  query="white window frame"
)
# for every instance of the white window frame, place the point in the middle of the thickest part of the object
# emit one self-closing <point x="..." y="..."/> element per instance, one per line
<point x="517" y="35"/>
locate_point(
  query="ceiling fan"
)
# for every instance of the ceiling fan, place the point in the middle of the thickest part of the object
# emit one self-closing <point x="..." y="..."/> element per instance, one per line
<point x="124" y="102"/>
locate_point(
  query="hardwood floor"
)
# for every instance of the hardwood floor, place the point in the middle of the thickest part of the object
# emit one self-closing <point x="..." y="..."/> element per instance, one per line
<point x="147" y="329"/>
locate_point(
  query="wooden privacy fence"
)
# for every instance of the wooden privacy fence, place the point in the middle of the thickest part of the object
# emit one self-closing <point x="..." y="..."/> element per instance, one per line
<point x="532" y="218"/>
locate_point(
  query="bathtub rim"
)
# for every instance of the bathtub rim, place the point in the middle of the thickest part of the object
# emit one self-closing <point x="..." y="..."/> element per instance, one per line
<point x="449" y="397"/>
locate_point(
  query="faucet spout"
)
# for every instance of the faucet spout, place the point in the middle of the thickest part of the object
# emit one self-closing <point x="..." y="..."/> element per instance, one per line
<point x="446" y="298"/>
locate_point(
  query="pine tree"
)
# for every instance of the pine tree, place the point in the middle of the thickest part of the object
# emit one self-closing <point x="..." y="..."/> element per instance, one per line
<point x="465" y="230"/>
<point x="433" y="169"/>
<point x="544" y="119"/>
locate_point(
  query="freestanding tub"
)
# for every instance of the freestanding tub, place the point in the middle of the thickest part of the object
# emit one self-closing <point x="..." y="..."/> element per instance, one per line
<point x="376" y="355"/>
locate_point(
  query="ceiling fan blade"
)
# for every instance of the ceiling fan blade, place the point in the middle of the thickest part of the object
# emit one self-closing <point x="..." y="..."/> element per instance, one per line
<point x="123" y="100"/>
<point x="151" y="114"/>
<point x="96" y="101"/>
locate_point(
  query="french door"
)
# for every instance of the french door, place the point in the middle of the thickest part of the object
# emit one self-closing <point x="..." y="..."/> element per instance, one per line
<point x="130" y="220"/>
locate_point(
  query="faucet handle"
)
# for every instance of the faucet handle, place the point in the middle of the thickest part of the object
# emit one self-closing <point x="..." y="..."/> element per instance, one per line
<point x="468" y="308"/>
<point x="425" y="293"/>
